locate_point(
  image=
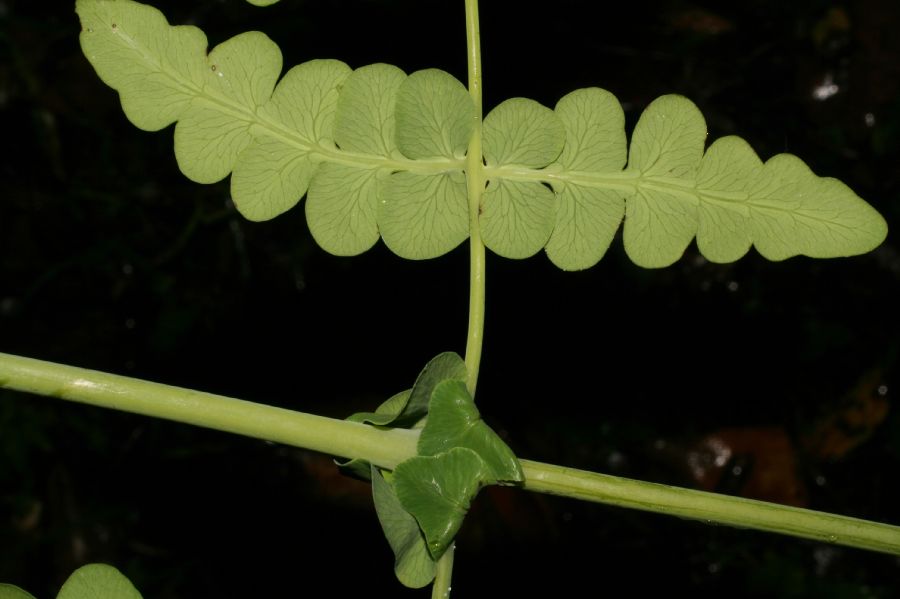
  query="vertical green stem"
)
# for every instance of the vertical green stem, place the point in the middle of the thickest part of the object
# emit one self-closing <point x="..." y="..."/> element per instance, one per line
<point x="441" y="587"/>
<point x="475" y="182"/>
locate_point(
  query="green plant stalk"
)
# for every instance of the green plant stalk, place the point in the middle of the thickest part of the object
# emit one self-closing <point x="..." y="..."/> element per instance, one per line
<point x="440" y="589"/>
<point x="328" y="435"/>
<point x="711" y="507"/>
<point x="475" y="184"/>
<point x="387" y="448"/>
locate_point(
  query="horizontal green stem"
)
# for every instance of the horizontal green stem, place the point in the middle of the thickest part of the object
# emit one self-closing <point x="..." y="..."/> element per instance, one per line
<point x="387" y="448"/>
<point x="711" y="507"/>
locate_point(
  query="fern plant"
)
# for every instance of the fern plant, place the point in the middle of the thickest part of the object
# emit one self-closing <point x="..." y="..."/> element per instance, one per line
<point x="410" y="160"/>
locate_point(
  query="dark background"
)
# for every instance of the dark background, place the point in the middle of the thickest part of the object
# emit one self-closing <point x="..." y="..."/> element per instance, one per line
<point x="769" y="380"/>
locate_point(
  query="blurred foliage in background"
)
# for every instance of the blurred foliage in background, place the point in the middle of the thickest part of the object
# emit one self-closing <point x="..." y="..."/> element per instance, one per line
<point x="772" y="381"/>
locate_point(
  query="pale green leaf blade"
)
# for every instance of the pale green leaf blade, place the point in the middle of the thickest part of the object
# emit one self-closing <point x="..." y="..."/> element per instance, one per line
<point x="781" y="207"/>
<point x="154" y="67"/>
<point x="275" y="171"/>
<point x="207" y="143"/>
<point x="728" y="170"/>
<point x="588" y="214"/>
<point x="342" y="204"/>
<point x="673" y="192"/>
<point x="517" y="217"/>
<point x="595" y="132"/>
<point x="98" y="581"/>
<point x="423" y="216"/>
<point x="838" y="223"/>
<point x="262" y="2"/>
<point x="434" y="116"/>
<point x="587" y="219"/>
<point x="522" y="132"/>
<point x="437" y="491"/>
<point x="659" y="225"/>
<point x="661" y="219"/>
<point x="668" y="140"/>
<point x="341" y="209"/>
<point x="365" y="112"/>
<point x="8" y="591"/>
<point x="454" y="421"/>
<point x="412" y="562"/>
<point x="795" y="212"/>
<point x="270" y="178"/>
<point x="305" y="102"/>
<point x="228" y="123"/>
<point x="245" y="69"/>
<point x="216" y="127"/>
